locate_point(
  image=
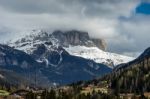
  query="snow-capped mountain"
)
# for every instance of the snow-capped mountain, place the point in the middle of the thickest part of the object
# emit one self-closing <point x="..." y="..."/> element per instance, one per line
<point x="76" y="43"/>
<point x="58" y="57"/>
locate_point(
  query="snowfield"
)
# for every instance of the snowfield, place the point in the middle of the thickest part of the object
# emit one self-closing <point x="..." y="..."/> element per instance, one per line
<point x="98" y="55"/>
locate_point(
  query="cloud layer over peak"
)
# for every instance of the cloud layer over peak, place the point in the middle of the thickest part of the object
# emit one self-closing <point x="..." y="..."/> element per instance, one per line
<point x="114" y="20"/>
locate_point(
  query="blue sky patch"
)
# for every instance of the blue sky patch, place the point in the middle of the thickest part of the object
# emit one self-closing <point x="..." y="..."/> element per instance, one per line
<point x="143" y="8"/>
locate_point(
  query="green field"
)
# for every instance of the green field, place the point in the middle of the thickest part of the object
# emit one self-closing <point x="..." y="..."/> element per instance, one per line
<point x="4" y="93"/>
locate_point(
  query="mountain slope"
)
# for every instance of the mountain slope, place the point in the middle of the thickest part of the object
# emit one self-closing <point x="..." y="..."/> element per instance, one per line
<point x="16" y="65"/>
<point x="73" y="69"/>
<point x="129" y="80"/>
<point x="76" y="43"/>
<point x="55" y="67"/>
<point x="133" y="76"/>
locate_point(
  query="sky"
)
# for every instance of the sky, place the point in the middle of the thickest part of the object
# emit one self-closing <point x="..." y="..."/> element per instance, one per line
<point x="124" y="24"/>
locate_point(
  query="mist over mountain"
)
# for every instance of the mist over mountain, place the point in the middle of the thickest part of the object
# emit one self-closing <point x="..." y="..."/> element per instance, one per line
<point x="101" y="19"/>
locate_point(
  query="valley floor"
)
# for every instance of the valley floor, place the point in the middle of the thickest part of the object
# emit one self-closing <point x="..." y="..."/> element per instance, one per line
<point x="71" y="92"/>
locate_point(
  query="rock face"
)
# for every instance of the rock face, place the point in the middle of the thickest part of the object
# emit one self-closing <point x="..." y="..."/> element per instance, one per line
<point x="76" y="38"/>
<point x="100" y="43"/>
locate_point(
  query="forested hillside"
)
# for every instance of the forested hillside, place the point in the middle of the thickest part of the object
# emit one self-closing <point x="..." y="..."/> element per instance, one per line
<point x="133" y="77"/>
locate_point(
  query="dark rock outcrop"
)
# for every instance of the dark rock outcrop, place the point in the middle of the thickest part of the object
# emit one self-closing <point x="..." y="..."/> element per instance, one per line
<point x="78" y="38"/>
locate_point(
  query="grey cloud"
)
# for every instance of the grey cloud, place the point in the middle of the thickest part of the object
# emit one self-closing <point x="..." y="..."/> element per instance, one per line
<point x="94" y="8"/>
<point x="145" y="1"/>
<point x="32" y="6"/>
<point x="134" y="35"/>
<point x="98" y="17"/>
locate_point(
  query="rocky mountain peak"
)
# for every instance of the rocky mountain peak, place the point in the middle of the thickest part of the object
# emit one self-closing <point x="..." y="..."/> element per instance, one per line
<point x="75" y="38"/>
<point x="63" y="38"/>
